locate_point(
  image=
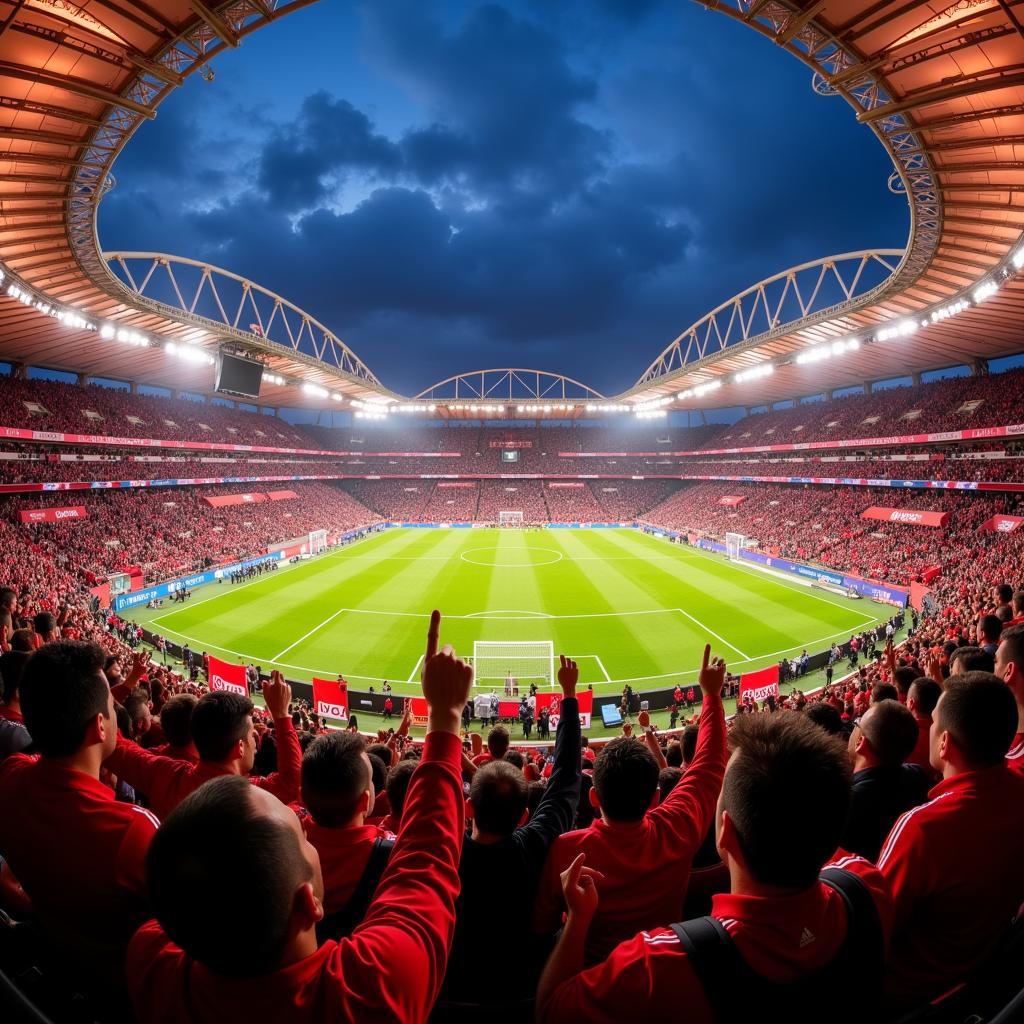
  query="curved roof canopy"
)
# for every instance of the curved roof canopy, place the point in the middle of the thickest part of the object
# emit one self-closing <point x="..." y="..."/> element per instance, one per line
<point x="941" y="83"/>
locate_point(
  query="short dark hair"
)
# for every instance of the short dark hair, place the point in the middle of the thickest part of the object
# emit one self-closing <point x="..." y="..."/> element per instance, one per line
<point x="625" y="778"/>
<point x="1011" y="643"/>
<point x="397" y="786"/>
<point x="674" y="754"/>
<point x="7" y="596"/>
<point x="205" y="909"/>
<point x="534" y="794"/>
<point x="1004" y="592"/>
<point x="970" y="659"/>
<point x="883" y="691"/>
<point x="892" y="732"/>
<point x="334" y="777"/>
<point x="12" y="666"/>
<point x="980" y="712"/>
<point x="23" y="640"/>
<point x="498" y="794"/>
<point x="378" y="773"/>
<point x="219" y="722"/>
<point x="497" y="742"/>
<point x="689" y="742"/>
<point x="903" y="677"/>
<point x="176" y="718"/>
<point x="516" y="759"/>
<point x="926" y="693"/>
<point x="1018" y="601"/>
<point x="787" y="793"/>
<point x="825" y="717"/>
<point x="668" y="778"/>
<point x="44" y="622"/>
<point x="990" y="627"/>
<point x="62" y="690"/>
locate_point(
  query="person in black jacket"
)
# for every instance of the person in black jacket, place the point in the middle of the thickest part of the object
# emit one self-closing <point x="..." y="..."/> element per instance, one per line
<point x="883" y="786"/>
<point x="503" y="859"/>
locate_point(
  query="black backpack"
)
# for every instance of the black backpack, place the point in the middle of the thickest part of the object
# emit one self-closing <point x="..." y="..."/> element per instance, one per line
<point x="342" y="923"/>
<point x="737" y="993"/>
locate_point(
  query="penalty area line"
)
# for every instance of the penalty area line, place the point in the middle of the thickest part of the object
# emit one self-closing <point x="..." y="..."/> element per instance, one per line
<point x="306" y="636"/>
<point x="711" y="632"/>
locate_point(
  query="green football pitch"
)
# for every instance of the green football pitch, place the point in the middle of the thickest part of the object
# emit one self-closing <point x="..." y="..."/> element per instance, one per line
<point x="627" y="606"/>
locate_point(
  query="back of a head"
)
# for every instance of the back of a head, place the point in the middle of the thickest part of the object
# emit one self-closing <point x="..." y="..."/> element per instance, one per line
<point x="12" y="667"/>
<point x="1011" y="648"/>
<point x="902" y="678"/>
<point x="825" y="717"/>
<point x="1018" y="603"/>
<point x="219" y="721"/>
<point x="668" y="779"/>
<point x="44" y="623"/>
<point x="335" y="775"/>
<point x="980" y="713"/>
<point x="1004" y="593"/>
<point x="397" y="785"/>
<point x="625" y="779"/>
<point x="378" y="773"/>
<point x="787" y="793"/>
<point x="498" y="793"/>
<point x="516" y="759"/>
<point x="62" y="691"/>
<point x="883" y="691"/>
<point x="23" y="640"/>
<point x="970" y="659"/>
<point x="925" y="694"/>
<point x="498" y="741"/>
<point x="990" y="627"/>
<point x="689" y="742"/>
<point x="222" y="876"/>
<point x="176" y="718"/>
<point x="891" y="730"/>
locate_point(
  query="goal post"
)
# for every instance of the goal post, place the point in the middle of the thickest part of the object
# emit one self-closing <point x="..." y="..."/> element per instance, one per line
<point x="510" y="518"/>
<point x="734" y="544"/>
<point x="526" y="661"/>
<point x="317" y="541"/>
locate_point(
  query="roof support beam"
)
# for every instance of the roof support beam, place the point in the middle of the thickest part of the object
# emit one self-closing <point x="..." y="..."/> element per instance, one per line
<point x="44" y="138"/>
<point x="76" y="86"/>
<point x="795" y="23"/>
<point x="215" y="21"/>
<point x="48" y="110"/>
<point x="928" y="97"/>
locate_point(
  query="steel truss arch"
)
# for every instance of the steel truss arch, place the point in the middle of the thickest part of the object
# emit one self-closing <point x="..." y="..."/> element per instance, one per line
<point x="207" y="297"/>
<point x="510" y="384"/>
<point x="803" y="294"/>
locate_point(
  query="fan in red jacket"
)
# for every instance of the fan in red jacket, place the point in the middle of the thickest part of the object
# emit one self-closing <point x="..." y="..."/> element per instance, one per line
<point x="954" y="862"/>
<point x="238" y="894"/>
<point x="781" y="812"/>
<point x="1010" y="668"/>
<point x="642" y="854"/>
<point x="225" y="738"/>
<point x="77" y="852"/>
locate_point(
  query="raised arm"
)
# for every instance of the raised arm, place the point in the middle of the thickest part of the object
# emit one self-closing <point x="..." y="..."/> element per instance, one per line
<point x="651" y="739"/>
<point x="286" y="782"/>
<point x="395" y="960"/>
<point x="557" y="808"/>
<point x="687" y="811"/>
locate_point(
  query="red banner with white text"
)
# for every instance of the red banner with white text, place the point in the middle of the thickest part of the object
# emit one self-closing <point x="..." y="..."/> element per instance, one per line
<point x="281" y="495"/>
<point x="1003" y="524"/>
<point x="53" y="515"/>
<point x="907" y="516"/>
<point x="227" y="677"/>
<point x="330" y="699"/>
<point x="760" y="685"/>
<point x="732" y="500"/>
<point x="220" y="500"/>
<point x="553" y="702"/>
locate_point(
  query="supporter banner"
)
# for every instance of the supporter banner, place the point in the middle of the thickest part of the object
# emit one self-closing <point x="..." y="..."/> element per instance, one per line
<point x="932" y="572"/>
<point x="221" y="500"/>
<point x="1001" y="524"/>
<point x="732" y="500"/>
<point x="974" y="434"/>
<point x="511" y="445"/>
<point x="556" y="483"/>
<point x="458" y="485"/>
<point x="53" y="515"/>
<point x="227" y="677"/>
<point x="419" y="708"/>
<point x="553" y="702"/>
<point x="918" y="592"/>
<point x="508" y="709"/>
<point x="102" y="594"/>
<point x="907" y="516"/>
<point x="330" y="698"/>
<point x="760" y="685"/>
<point x="281" y="495"/>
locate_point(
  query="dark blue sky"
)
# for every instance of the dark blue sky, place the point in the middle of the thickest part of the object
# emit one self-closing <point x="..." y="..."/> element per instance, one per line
<point x="452" y="186"/>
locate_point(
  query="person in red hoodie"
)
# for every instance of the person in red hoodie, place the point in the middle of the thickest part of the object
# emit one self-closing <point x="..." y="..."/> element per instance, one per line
<point x="337" y="798"/>
<point x="77" y="852"/>
<point x="954" y="863"/>
<point x="225" y="739"/>
<point x="1010" y="668"/>
<point x="642" y="851"/>
<point x="778" y="945"/>
<point x="238" y="893"/>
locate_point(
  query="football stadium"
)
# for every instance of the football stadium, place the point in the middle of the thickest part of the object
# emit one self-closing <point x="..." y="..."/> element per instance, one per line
<point x="511" y="511"/>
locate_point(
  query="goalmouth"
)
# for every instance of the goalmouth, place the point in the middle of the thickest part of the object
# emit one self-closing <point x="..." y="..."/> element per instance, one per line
<point x="734" y="544"/>
<point x="522" y="661"/>
<point x="510" y="518"/>
<point x="317" y="541"/>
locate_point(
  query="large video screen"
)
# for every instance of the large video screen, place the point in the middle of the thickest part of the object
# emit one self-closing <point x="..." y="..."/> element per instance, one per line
<point x="237" y="376"/>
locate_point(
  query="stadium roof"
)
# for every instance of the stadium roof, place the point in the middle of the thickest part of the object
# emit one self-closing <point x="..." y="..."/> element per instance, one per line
<point x="941" y="84"/>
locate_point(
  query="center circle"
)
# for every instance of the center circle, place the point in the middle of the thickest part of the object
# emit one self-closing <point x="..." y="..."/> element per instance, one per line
<point x="521" y="564"/>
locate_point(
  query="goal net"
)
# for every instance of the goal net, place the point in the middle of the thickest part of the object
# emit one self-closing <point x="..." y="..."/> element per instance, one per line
<point x="510" y="518"/>
<point x="734" y="544"/>
<point x="317" y="541"/>
<point x="524" y="661"/>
